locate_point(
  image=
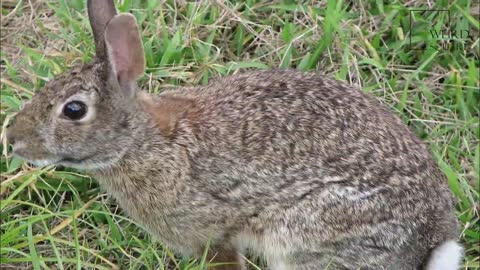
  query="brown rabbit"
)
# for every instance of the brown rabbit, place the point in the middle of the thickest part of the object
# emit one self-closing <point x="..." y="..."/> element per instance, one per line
<point x="303" y="170"/>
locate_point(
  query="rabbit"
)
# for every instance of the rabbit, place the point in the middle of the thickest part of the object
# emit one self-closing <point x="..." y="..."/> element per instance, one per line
<point x="300" y="169"/>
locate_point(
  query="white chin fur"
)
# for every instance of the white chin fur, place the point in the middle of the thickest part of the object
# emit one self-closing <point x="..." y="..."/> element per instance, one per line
<point x="86" y="166"/>
<point x="446" y="256"/>
<point x="41" y="162"/>
<point x="80" y="166"/>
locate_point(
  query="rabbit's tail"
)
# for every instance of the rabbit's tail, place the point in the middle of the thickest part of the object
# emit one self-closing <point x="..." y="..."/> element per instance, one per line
<point x="446" y="256"/>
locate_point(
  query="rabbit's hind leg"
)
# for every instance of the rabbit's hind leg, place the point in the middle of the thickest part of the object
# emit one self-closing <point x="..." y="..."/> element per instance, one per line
<point x="225" y="259"/>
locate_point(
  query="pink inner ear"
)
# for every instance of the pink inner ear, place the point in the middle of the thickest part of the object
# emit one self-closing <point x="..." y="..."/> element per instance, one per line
<point x="120" y="64"/>
<point x="125" y="48"/>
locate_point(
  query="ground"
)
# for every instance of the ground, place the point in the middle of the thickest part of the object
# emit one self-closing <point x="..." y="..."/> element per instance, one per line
<point x="55" y="218"/>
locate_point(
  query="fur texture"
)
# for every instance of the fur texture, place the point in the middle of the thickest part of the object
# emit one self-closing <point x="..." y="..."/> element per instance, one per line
<point x="301" y="169"/>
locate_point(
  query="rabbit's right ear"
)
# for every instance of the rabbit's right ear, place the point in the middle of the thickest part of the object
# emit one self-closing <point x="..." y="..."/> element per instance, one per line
<point x="100" y="12"/>
<point x="125" y="51"/>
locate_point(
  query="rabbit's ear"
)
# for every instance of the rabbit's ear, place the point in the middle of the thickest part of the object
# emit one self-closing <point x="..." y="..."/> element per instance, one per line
<point x="125" y="50"/>
<point x="100" y="12"/>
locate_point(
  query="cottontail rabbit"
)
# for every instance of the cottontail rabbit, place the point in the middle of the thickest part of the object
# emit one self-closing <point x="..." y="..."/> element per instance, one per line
<point x="303" y="170"/>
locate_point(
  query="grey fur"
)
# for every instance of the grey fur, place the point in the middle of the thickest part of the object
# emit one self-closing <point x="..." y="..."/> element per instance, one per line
<point x="302" y="169"/>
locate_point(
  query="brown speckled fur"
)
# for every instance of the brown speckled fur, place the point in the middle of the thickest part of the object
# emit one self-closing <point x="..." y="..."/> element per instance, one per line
<point x="298" y="168"/>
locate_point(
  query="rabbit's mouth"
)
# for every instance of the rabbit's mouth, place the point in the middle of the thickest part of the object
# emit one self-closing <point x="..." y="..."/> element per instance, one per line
<point x="90" y="162"/>
<point x="42" y="160"/>
<point x="35" y="158"/>
<point x="50" y="161"/>
<point x="71" y="160"/>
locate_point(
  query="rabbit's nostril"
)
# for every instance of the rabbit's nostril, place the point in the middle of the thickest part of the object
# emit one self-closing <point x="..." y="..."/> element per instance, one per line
<point x="11" y="121"/>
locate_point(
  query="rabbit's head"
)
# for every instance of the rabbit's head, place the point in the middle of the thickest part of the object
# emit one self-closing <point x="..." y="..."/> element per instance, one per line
<point x="85" y="118"/>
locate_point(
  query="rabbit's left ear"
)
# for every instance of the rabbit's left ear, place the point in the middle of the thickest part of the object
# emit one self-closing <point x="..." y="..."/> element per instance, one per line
<point x="100" y="12"/>
<point x="125" y="51"/>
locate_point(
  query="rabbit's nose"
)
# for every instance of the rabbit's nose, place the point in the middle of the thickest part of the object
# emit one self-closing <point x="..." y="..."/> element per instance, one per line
<point x="10" y="136"/>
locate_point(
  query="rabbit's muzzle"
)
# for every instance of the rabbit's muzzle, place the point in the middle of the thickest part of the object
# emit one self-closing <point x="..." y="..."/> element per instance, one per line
<point x="27" y="142"/>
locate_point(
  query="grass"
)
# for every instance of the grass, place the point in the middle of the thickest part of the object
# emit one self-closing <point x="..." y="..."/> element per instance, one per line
<point x="60" y="219"/>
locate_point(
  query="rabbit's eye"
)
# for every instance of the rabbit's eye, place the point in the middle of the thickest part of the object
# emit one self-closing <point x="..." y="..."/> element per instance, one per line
<point x="75" y="110"/>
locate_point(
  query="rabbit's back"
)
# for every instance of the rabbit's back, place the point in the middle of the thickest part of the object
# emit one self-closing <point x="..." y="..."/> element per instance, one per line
<point x="286" y="119"/>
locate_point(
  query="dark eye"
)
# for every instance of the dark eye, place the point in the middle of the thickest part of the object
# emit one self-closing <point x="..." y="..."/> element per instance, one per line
<point x="75" y="110"/>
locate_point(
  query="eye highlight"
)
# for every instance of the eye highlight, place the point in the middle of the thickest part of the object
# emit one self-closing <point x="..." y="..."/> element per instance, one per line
<point x="74" y="110"/>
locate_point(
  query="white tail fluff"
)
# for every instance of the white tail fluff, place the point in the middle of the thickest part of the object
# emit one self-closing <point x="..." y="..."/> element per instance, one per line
<point x="446" y="256"/>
